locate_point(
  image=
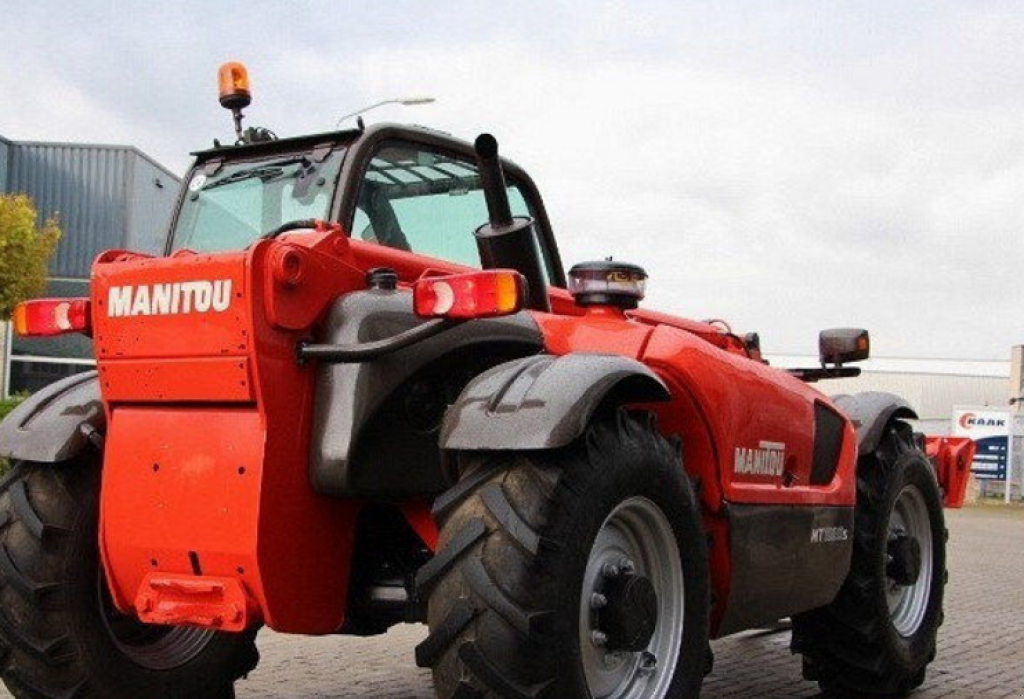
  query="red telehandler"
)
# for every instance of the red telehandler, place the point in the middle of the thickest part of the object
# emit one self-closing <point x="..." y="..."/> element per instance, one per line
<point x="337" y="402"/>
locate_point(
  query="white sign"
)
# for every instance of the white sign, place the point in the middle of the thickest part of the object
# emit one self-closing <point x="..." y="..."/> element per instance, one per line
<point x="990" y="429"/>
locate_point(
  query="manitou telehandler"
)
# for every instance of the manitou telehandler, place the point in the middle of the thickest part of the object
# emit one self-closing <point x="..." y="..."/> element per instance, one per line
<point x="338" y="402"/>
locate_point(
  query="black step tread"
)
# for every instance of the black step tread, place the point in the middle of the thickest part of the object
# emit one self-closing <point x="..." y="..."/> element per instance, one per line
<point x="450" y="499"/>
<point x="487" y="589"/>
<point x="23" y="687"/>
<point x="27" y="588"/>
<point x="28" y="515"/>
<point x="493" y="496"/>
<point x="434" y="646"/>
<point x="488" y="674"/>
<point x="432" y="571"/>
<point x="53" y="651"/>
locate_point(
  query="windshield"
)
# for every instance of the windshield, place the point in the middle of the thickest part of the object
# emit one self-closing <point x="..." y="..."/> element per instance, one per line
<point x="230" y="206"/>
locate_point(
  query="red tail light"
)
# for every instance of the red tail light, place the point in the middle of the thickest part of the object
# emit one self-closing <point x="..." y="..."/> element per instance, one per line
<point x="43" y="317"/>
<point x="487" y="294"/>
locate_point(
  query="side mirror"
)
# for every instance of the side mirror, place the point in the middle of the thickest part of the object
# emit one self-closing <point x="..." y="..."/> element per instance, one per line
<point x="841" y="345"/>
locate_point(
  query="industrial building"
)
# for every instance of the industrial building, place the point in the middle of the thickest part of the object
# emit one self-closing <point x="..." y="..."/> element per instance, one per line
<point x="933" y="386"/>
<point x="106" y="197"/>
<point x="938" y="389"/>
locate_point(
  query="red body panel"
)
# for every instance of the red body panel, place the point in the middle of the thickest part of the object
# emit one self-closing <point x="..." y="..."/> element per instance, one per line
<point x="741" y="403"/>
<point x="952" y="457"/>
<point x="205" y="476"/>
<point x="205" y="471"/>
<point x="722" y="402"/>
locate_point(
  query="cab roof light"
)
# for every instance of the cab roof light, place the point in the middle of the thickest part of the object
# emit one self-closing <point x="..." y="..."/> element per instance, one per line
<point x="233" y="81"/>
<point x="485" y="294"/>
<point x="47" y="317"/>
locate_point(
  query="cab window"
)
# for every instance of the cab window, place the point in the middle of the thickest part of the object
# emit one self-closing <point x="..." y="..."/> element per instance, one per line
<point x="425" y="202"/>
<point x="236" y="203"/>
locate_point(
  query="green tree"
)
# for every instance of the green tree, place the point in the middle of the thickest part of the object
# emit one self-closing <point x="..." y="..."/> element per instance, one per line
<point x="25" y="251"/>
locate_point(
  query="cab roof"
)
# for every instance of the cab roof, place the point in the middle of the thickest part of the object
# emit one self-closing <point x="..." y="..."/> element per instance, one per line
<point x="280" y="144"/>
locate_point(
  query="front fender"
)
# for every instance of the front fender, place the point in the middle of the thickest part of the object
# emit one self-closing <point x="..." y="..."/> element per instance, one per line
<point x="543" y="402"/>
<point x="54" y="424"/>
<point x="870" y="412"/>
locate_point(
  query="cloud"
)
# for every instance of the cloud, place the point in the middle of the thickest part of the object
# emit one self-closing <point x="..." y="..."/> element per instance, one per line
<point x="784" y="168"/>
<point x="781" y="206"/>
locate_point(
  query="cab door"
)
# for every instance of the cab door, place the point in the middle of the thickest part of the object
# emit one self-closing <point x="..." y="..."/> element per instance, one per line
<point x="426" y="199"/>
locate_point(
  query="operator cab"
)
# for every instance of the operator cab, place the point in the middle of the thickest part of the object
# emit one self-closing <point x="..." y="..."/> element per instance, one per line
<point x="409" y="188"/>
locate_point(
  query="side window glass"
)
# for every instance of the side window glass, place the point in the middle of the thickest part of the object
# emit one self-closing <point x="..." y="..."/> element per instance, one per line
<point x="425" y="202"/>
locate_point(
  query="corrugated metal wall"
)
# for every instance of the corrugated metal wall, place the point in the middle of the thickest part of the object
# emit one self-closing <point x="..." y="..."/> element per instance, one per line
<point x="86" y="186"/>
<point x="154" y="193"/>
<point x="5" y="148"/>
<point x="932" y="395"/>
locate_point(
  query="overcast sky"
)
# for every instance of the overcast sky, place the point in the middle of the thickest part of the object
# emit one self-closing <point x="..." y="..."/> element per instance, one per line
<point x="787" y="166"/>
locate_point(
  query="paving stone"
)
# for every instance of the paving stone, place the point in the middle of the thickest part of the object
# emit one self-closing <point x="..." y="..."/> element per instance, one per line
<point x="981" y="646"/>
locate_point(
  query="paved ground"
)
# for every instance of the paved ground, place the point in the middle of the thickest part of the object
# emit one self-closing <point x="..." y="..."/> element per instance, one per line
<point x="981" y="648"/>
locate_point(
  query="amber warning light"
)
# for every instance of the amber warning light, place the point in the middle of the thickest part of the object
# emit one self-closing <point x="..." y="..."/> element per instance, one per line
<point x="465" y="296"/>
<point x="45" y="317"/>
<point x="235" y="92"/>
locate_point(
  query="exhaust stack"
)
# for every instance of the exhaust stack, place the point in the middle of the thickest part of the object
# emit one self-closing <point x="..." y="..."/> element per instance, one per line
<point x="507" y="241"/>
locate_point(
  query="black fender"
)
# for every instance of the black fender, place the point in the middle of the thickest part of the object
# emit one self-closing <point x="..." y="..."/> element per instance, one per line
<point x="870" y="412"/>
<point x="54" y="424"/>
<point x="544" y="402"/>
<point x="362" y="443"/>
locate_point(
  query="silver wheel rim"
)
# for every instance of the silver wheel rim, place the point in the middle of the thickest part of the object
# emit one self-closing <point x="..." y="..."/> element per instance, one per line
<point x="148" y="646"/>
<point x="908" y="604"/>
<point x="638" y="533"/>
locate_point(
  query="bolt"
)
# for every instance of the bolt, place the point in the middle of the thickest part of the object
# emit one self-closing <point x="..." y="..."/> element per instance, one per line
<point x="610" y="570"/>
<point x="599" y="639"/>
<point x="598" y="601"/>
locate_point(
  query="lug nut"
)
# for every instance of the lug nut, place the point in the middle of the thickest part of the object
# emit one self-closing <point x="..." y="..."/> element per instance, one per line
<point x="627" y="566"/>
<point x="610" y="570"/>
<point x="598" y="601"/>
<point x="648" y="663"/>
<point x="598" y="638"/>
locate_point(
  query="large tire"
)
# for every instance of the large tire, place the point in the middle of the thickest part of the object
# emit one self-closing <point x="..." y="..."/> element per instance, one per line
<point x="522" y="535"/>
<point x="879" y="635"/>
<point x="60" y="637"/>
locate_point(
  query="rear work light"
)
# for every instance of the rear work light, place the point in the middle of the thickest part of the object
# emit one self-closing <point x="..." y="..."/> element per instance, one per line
<point x="45" y="317"/>
<point x="487" y="294"/>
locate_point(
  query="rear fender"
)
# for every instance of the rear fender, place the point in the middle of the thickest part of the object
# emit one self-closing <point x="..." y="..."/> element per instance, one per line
<point x="363" y="440"/>
<point x="871" y="412"/>
<point x="544" y="402"/>
<point x="55" y="423"/>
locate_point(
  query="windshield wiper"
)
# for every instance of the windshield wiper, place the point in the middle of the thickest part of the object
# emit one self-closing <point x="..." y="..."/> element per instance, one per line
<point x="267" y="173"/>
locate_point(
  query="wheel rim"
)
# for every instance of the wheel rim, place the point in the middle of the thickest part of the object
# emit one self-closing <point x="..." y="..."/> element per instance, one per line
<point x="908" y="603"/>
<point x="147" y="645"/>
<point x="637" y="536"/>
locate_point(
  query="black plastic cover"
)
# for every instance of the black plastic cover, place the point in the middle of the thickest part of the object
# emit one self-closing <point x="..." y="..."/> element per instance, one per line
<point x="54" y="424"/>
<point x="544" y="402"/>
<point x="870" y="412"/>
<point x="828" y="444"/>
<point x="362" y="443"/>
<point x="785" y="560"/>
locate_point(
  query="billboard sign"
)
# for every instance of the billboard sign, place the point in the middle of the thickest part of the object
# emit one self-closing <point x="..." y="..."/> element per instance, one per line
<point x="990" y="429"/>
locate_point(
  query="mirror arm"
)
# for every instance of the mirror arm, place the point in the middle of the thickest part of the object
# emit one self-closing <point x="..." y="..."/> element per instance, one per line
<point x="815" y="374"/>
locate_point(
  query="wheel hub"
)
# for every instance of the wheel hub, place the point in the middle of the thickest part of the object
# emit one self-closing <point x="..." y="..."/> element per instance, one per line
<point x="909" y="561"/>
<point x="633" y="605"/>
<point x="630" y="617"/>
<point x="904" y="566"/>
